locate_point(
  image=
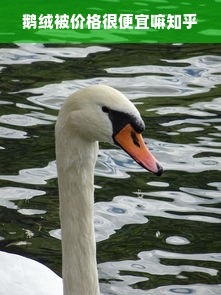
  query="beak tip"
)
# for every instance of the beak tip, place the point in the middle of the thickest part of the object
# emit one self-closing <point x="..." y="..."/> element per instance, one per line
<point x="160" y="170"/>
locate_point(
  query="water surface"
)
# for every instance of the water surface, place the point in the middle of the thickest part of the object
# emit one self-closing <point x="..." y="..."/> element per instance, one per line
<point x="155" y="235"/>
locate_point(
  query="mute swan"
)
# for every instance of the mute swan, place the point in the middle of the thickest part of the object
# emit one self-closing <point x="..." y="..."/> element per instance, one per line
<point x="96" y="113"/>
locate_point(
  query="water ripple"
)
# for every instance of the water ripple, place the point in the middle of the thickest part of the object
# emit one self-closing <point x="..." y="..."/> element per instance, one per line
<point x="179" y="98"/>
<point x="114" y="163"/>
<point x="9" y="195"/>
<point x="149" y="263"/>
<point x="29" y="53"/>
<point x="53" y="95"/>
<point x="12" y="133"/>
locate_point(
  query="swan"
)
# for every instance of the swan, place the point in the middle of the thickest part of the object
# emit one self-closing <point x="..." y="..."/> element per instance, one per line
<point x="93" y="114"/>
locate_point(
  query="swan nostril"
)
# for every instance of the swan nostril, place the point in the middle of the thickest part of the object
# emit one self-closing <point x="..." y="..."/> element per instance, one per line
<point x="134" y="138"/>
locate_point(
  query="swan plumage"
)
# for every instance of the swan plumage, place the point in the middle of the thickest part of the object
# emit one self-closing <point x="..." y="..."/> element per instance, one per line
<point x="96" y="113"/>
<point x="23" y="276"/>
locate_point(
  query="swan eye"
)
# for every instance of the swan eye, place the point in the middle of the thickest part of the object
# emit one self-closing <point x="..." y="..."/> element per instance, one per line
<point x="105" y="110"/>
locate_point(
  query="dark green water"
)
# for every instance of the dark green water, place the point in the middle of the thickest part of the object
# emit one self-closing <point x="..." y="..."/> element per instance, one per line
<point x="156" y="235"/>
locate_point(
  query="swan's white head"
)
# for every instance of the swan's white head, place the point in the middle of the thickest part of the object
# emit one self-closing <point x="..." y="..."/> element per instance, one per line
<point x="102" y="113"/>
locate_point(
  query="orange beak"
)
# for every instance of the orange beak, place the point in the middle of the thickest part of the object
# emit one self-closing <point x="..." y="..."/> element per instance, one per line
<point x="132" y="142"/>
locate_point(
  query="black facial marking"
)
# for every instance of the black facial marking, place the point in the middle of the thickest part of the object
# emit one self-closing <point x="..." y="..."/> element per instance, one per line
<point x="121" y="119"/>
<point x="135" y="139"/>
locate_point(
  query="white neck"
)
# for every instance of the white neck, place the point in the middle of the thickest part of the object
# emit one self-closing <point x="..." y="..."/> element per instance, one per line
<point x="76" y="159"/>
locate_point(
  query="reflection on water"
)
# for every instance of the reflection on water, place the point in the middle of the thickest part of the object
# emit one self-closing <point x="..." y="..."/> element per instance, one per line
<point x="155" y="235"/>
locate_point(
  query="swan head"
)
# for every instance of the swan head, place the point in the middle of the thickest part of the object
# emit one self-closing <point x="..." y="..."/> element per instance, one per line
<point x="102" y="113"/>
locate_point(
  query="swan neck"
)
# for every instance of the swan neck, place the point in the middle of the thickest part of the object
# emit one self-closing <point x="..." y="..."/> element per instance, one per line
<point x="76" y="159"/>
